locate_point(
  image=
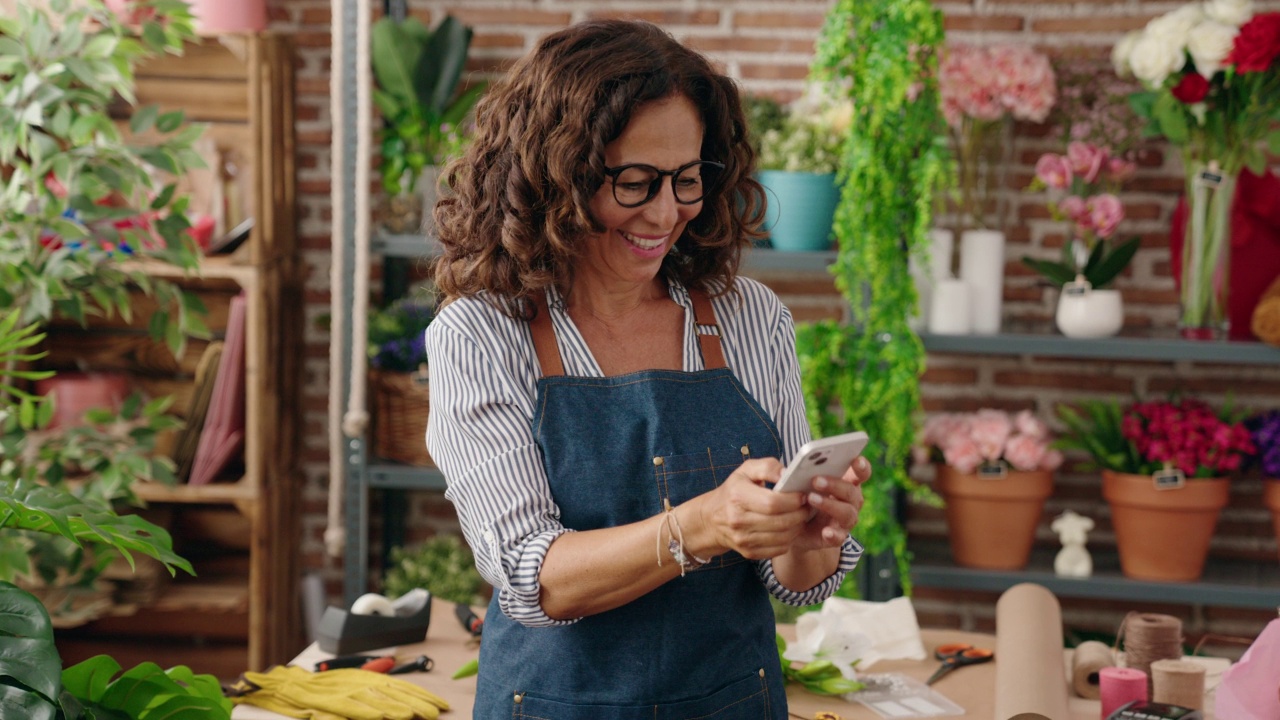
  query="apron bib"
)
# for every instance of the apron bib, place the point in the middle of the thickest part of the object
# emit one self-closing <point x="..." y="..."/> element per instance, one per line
<point x="614" y="448"/>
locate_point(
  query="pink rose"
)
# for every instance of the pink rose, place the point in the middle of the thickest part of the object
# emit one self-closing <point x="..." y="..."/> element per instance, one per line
<point x="1024" y="452"/>
<point x="1052" y="460"/>
<point x="938" y="429"/>
<point x="1054" y="171"/>
<point x="1028" y="424"/>
<point x="1086" y="159"/>
<point x="962" y="454"/>
<point x="1105" y="213"/>
<point x="991" y="430"/>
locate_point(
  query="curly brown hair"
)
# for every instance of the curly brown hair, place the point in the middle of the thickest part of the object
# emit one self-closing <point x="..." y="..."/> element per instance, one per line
<point x="516" y="212"/>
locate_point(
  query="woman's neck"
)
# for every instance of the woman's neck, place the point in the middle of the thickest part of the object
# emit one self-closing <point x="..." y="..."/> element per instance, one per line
<point x="612" y="301"/>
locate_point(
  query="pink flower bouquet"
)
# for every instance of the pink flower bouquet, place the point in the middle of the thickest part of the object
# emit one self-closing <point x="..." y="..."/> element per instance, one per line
<point x="980" y="88"/>
<point x="988" y="438"/>
<point x="1081" y="186"/>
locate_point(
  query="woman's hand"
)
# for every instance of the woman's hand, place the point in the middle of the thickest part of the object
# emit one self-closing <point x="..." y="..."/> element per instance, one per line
<point x="838" y="501"/>
<point x="743" y="515"/>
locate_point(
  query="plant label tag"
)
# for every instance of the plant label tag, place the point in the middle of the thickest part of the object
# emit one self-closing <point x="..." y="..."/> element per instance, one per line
<point x="1077" y="288"/>
<point x="1209" y="178"/>
<point x="992" y="471"/>
<point x="1169" y="479"/>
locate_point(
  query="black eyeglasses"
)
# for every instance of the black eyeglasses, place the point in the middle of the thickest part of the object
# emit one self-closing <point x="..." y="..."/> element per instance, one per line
<point x="637" y="183"/>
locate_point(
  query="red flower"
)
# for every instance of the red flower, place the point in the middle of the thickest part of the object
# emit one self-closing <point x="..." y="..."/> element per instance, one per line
<point x="1191" y="88"/>
<point x="1257" y="45"/>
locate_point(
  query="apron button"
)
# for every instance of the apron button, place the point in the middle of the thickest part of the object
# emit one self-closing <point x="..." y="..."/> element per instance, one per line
<point x="657" y="460"/>
<point x="761" y="672"/>
<point x="518" y="698"/>
<point x="746" y="450"/>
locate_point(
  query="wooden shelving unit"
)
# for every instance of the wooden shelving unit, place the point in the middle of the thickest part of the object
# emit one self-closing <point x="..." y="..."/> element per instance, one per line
<point x="242" y="610"/>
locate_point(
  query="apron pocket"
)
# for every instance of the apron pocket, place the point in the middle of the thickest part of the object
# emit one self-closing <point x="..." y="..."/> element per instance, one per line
<point x="743" y="699"/>
<point x="683" y="477"/>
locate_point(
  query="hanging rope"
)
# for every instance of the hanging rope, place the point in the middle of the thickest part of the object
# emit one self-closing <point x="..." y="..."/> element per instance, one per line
<point x="355" y="419"/>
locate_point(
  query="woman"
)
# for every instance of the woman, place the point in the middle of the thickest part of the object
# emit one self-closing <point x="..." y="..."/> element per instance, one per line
<point x="608" y="399"/>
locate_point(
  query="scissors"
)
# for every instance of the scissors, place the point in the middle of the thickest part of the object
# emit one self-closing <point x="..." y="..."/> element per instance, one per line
<point x="954" y="655"/>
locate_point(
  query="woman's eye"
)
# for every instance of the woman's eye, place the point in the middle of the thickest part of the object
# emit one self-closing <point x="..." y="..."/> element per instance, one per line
<point x="633" y="186"/>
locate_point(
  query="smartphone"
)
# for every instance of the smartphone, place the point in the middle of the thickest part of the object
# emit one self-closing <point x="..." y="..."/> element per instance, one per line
<point x="827" y="456"/>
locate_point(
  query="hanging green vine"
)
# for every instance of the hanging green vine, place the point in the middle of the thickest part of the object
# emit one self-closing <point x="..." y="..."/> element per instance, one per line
<point x="865" y="375"/>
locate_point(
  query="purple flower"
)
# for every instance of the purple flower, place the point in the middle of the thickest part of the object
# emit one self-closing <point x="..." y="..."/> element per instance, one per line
<point x="1264" y="429"/>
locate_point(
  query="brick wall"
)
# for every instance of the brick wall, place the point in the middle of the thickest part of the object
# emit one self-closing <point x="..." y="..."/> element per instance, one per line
<point x="767" y="44"/>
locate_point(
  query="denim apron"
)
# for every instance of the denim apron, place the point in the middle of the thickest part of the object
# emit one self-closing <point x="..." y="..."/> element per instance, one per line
<point x="700" y="646"/>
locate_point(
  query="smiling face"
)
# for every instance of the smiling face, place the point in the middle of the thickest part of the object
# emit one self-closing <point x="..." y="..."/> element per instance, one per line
<point x="666" y="134"/>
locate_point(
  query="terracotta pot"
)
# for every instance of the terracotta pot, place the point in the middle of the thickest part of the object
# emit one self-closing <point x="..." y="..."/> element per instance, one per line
<point x="1271" y="498"/>
<point x="1163" y="534"/>
<point x="991" y="522"/>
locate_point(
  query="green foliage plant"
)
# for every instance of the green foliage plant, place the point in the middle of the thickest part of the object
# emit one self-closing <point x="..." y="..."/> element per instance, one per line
<point x="416" y="72"/>
<point x="32" y="682"/>
<point x="820" y="677"/>
<point x="442" y="565"/>
<point x="81" y="207"/>
<point x="865" y="374"/>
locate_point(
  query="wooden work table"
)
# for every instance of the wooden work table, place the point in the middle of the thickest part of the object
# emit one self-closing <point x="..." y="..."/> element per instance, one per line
<point x="972" y="688"/>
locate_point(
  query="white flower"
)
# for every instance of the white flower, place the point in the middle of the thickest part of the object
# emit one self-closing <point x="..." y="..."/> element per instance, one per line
<point x="1229" y="12"/>
<point x="822" y="636"/>
<point x="1209" y="43"/>
<point x="1155" y="58"/>
<point x="1175" y="26"/>
<point x="1123" y="52"/>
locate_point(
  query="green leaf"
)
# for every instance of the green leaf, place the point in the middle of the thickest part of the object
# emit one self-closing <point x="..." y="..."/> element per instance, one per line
<point x="169" y="121"/>
<point x="21" y="702"/>
<point x="469" y="668"/>
<point x="1107" y="269"/>
<point x="440" y="65"/>
<point x="27" y="652"/>
<point x="1171" y="115"/>
<point x="89" y="679"/>
<point x="1057" y="273"/>
<point x="394" y="57"/>
<point x="143" y="119"/>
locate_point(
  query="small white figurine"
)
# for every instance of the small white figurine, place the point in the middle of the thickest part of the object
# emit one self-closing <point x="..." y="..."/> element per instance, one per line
<point x="1072" y="560"/>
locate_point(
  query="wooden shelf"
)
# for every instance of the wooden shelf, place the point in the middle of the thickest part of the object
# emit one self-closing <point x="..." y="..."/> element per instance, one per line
<point x="214" y="493"/>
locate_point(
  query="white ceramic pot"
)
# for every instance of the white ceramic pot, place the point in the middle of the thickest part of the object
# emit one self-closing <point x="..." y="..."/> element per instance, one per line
<point x="1090" y="313"/>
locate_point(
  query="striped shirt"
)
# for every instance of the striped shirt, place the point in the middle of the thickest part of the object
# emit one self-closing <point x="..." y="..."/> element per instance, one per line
<point x="483" y="385"/>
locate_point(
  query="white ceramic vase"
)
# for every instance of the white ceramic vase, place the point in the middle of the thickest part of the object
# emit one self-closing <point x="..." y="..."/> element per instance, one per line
<point x="1090" y="313"/>
<point x="927" y="275"/>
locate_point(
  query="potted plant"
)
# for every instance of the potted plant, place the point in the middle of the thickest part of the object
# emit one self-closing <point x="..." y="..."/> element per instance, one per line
<point x="443" y="565"/>
<point x="87" y="203"/>
<point x="865" y="374"/>
<point x="1082" y="185"/>
<point x="399" y="379"/>
<point x="1165" y="475"/>
<point x="416" y="72"/>
<point x="995" y="472"/>
<point x="1264" y="430"/>
<point x="797" y="164"/>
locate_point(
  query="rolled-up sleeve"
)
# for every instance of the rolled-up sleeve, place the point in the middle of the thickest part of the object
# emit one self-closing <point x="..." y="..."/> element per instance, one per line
<point x="479" y="435"/>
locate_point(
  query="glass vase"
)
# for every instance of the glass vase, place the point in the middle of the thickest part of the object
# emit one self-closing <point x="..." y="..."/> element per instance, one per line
<point x="1206" y="253"/>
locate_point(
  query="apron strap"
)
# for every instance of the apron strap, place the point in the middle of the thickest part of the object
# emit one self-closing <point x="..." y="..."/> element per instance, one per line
<point x="544" y="337"/>
<point x="705" y="317"/>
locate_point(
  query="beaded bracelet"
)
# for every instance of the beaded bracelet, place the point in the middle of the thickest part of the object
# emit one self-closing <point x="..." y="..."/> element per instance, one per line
<point x="675" y="545"/>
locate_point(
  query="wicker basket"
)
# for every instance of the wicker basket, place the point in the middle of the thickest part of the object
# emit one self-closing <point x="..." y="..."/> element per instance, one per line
<point x="400" y="416"/>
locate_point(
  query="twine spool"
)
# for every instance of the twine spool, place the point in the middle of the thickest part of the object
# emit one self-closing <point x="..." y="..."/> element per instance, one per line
<point x="1178" y="682"/>
<point x="1119" y="686"/>
<point x="1149" y="637"/>
<point x="1088" y="658"/>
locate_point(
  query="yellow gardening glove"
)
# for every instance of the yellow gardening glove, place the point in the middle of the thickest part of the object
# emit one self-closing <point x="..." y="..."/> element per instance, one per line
<point x="349" y="694"/>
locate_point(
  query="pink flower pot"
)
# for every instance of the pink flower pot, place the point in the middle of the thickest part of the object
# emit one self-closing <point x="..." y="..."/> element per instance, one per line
<point x="229" y="16"/>
<point x="76" y="393"/>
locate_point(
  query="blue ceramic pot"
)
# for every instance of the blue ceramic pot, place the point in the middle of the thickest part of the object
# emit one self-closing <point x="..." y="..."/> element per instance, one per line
<point x="801" y="207"/>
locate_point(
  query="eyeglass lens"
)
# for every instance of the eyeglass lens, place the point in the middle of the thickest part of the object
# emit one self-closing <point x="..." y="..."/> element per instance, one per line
<point x="637" y="184"/>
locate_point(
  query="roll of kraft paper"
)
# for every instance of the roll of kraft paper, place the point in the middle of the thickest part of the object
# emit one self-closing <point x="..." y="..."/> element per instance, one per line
<point x="1086" y="661"/>
<point x="1031" y="676"/>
